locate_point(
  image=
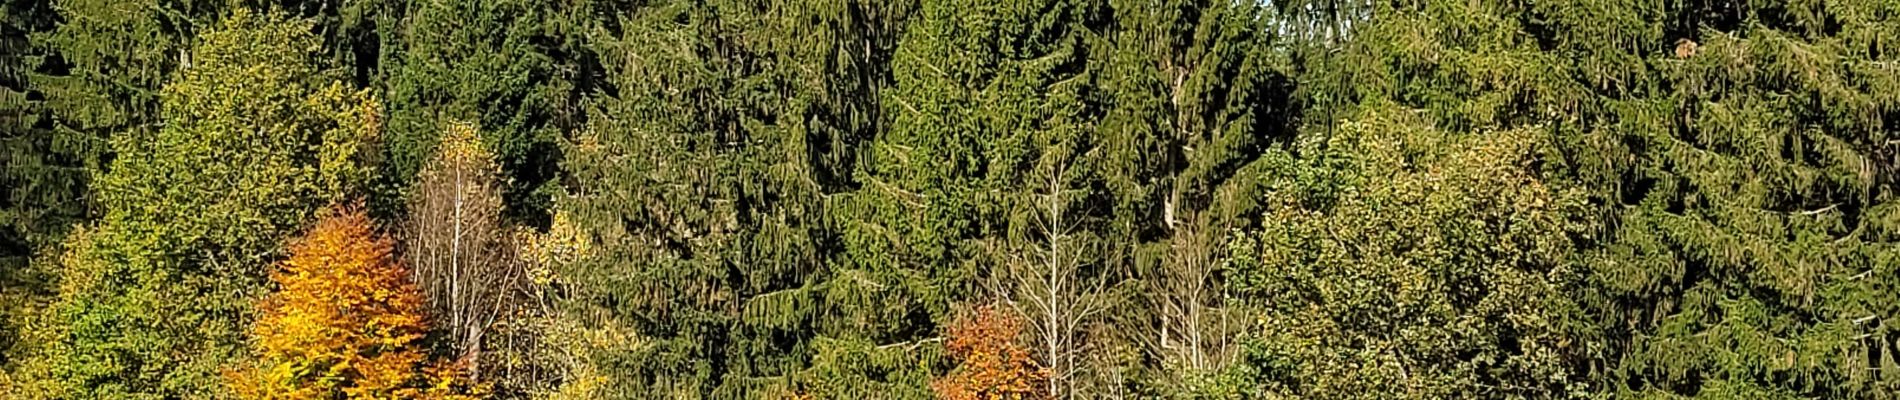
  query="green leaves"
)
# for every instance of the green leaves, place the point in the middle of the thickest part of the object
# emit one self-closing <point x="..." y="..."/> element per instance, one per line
<point x="1726" y="157"/>
<point x="1318" y="199"/>
<point x="255" y="141"/>
<point x="1412" y="263"/>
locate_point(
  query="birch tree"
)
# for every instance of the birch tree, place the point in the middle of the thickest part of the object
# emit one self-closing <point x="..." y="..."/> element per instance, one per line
<point x="458" y="246"/>
<point x="1054" y="285"/>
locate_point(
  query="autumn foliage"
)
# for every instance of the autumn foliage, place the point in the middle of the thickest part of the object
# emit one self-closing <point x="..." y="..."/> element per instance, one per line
<point x="345" y="322"/>
<point x="991" y="363"/>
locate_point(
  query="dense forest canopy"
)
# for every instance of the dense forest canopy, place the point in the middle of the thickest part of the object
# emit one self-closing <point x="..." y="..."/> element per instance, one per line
<point x="950" y="199"/>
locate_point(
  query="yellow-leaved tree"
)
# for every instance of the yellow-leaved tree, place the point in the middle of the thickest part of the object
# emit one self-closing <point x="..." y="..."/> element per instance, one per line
<point x="345" y="322"/>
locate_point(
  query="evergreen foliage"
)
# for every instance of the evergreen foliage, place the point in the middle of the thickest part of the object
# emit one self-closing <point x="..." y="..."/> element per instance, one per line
<point x="691" y="203"/>
<point x="1198" y="94"/>
<point x="515" y="68"/>
<point x="37" y="185"/>
<point x="73" y="74"/>
<point x="1176" y="199"/>
<point x="78" y="72"/>
<point x="32" y="212"/>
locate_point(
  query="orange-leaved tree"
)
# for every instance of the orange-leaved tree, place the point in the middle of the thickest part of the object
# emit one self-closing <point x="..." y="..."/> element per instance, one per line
<point x="992" y="363"/>
<point x="345" y="322"/>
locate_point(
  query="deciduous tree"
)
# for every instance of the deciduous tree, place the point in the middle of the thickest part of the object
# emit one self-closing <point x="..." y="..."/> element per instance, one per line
<point x="1737" y="158"/>
<point x="344" y="322"/>
<point x="459" y="246"/>
<point x="153" y="301"/>
<point x="992" y="363"/>
<point x="1413" y="263"/>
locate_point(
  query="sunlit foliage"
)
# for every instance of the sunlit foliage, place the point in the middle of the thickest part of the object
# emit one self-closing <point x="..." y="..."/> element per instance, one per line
<point x="345" y="322"/>
<point x="992" y="362"/>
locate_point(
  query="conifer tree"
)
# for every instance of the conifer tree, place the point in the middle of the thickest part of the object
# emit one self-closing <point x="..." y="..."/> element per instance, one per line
<point x="95" y="69"/>
<point x="764" y="198"/>
<point x="1198" y="94"/>
<point x="728" y="155"/>
<point x="1751" y="251"/>
<point x="691" y="203"/>
<point x="75" y="73"/>
<point x="866" y="320"/>
<point x="34" y="185"/>
<point x="37" y="187"/>
<point x="515" y="68"/>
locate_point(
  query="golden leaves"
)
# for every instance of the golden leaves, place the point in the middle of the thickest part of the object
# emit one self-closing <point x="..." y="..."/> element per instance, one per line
<point x="345" y="321"/>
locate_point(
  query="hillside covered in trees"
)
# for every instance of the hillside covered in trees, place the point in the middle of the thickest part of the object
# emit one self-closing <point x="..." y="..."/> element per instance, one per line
<point x="949" y="199"/>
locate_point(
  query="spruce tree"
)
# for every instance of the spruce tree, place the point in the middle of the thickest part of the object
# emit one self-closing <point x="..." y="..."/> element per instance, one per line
<point x="77" y="72"/>
<point x="95" y="68"/>
<point x="515" y="68"/>
<point x="994" y="113"/>
<point x="1198" y="94"/>
<point x="1751" y="249"/>
<point x="693" y="204"/>
<point x="36" y="186"/>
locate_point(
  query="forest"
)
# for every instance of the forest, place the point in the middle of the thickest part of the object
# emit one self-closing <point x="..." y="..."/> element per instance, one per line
<point x="949" y="199"/>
